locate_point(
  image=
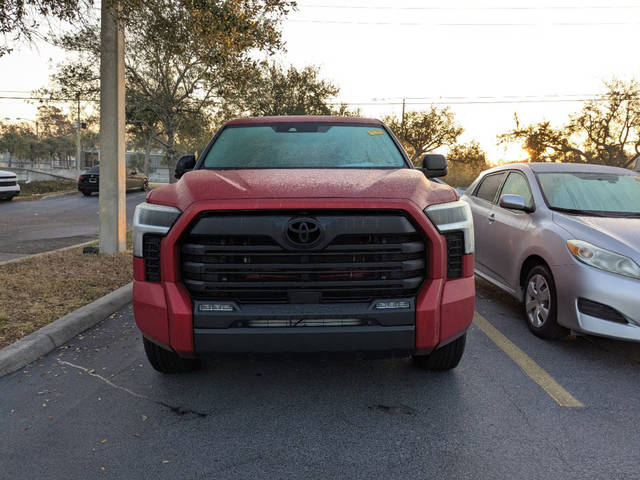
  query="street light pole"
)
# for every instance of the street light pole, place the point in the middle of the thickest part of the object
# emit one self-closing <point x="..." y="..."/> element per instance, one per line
<point x="112" y="131"/>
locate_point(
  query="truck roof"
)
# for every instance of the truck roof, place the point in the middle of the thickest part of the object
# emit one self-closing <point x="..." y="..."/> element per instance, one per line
<point x="303" y="119"/>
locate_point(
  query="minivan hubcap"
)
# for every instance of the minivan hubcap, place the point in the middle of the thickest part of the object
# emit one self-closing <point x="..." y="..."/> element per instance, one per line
<point x="537" y="301"/>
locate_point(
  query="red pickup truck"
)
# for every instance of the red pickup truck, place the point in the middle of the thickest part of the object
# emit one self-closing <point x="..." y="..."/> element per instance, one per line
<point x="303" y="235"/>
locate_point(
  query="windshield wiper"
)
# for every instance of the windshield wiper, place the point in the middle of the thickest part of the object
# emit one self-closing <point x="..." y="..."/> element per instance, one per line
<point x="597" y="213"/>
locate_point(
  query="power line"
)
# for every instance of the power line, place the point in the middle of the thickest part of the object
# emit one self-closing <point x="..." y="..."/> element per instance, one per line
<point x="464" y="24"/>
<point x="47" y="99"/>
<point x="553" y="7"/>
<point x="472" y="102"/>
<point x="451" y="100"/>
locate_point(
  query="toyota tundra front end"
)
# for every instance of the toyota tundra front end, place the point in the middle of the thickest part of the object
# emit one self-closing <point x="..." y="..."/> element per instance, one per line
<point x="303" y="235"/>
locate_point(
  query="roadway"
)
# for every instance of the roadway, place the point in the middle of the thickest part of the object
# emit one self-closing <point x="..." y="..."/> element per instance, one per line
<point x="95" y="406"/>
<point x="29" y="227"/>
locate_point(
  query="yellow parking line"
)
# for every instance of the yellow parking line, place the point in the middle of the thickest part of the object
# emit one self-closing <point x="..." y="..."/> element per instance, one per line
<point x="524" y="361"/>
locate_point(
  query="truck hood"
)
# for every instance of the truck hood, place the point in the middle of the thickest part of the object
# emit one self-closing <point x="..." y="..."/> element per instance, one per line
<point x="399" y="184"/>
<point x="621" y="235"/>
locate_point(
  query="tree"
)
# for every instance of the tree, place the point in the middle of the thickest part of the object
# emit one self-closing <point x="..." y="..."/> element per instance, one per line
<point x="423" y="132"/>
<point x="21" y="19"/>
<point x="606" y="131"/>
<point x="466" y="162"/>
<point x="13" y="139"/>
<point x="53" y="138"/>
<point x="179" y="54"/>
<point x="273" y="90"/>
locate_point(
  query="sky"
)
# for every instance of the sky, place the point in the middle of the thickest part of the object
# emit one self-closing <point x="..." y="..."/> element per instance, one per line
<point x="486" y="59"/>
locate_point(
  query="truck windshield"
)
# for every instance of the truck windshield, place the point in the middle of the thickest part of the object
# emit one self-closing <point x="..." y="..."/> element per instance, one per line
<point x="303" y="145"/>
<point x="600" y="194"/>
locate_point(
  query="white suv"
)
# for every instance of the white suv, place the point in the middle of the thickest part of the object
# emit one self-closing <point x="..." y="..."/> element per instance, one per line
<point x="9" y="187"/>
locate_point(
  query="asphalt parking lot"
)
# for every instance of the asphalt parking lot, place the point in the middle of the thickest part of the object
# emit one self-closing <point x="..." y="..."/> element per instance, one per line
<point x="43" y="225"/>
<point x="95" y="407"/>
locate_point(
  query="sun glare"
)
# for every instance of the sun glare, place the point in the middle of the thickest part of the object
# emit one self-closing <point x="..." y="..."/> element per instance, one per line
<point x="511" y="153"/>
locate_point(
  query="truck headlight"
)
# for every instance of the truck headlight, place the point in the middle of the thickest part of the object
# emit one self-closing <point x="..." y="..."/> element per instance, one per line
<point x="603" y="259"/>
<point x="453" y="217"/>
<point x="151" y="218"/>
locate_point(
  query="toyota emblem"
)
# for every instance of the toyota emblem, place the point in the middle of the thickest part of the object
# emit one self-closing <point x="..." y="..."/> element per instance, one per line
<point x="303" y="231"/>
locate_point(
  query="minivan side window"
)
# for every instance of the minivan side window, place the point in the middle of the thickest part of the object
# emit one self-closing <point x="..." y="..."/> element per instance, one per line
<point x="516" y="184"/>
<point x="489" y="187"/>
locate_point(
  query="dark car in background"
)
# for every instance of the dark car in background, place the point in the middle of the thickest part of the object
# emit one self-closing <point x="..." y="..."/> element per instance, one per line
<point x="89" y="181"/>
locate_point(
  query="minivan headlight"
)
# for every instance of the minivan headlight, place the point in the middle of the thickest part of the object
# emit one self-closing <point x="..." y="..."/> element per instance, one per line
<point x="603" y="259"/>
<point x="453" y="217"/>
<point x="151" y="218"/>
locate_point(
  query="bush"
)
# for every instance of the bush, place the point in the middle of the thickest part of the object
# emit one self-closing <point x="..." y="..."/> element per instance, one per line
<point x="46" y="186"/>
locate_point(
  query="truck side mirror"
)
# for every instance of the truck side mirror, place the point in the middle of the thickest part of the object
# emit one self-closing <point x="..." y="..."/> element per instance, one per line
<point x="434" y="165"/>
<point x="185" y="164"/>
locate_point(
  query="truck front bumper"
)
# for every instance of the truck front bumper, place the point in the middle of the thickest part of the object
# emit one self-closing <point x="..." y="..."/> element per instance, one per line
<point x="440" y="313"/>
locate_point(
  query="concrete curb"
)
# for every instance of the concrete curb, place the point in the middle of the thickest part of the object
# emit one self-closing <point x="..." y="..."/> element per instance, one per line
<point x="45" y="196"/>
<point x="59" y="332"/>
<point x="42" y="254"/>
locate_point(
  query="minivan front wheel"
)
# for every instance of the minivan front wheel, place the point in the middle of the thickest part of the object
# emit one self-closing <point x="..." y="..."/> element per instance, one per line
<point x="541" y="304"/>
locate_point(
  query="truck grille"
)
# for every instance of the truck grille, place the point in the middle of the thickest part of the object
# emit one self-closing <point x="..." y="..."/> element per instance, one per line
<point x="151" y="255"/>
<point x="455" y="251"/>
<point x="7" y="183"/>
<point x="247" y="259"/>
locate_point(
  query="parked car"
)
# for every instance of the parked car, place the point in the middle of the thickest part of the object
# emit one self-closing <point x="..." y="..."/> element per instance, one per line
<point x="565" y="240"/>
<point x="89" y="181"/>
<point x="305" y="235"/>
<point x="9" y="187"/>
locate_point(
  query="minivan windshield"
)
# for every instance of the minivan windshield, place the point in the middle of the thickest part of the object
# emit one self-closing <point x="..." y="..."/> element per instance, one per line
<point x="303" y="145"/>
<point x="600" y="194"/>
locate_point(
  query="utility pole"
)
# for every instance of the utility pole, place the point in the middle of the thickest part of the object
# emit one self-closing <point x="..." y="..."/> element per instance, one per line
<point x="112" y="131"/>
<point x="78" y="139"/>
<point x="402" y="121"/>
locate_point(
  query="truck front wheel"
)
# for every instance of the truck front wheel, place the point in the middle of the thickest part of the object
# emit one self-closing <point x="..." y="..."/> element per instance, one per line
<point x="444" y="358"/>
<point x="165" y="361"/>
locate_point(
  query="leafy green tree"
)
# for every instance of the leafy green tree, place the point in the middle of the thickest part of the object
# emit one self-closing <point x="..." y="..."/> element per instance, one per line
<point x="422" y="132"/>
<point x="274" y="90"/>
<point x="22" y="19"/>
<point x="606" y="131"/>
<point x="466" y="162"/>
<point x="179" y="55"/>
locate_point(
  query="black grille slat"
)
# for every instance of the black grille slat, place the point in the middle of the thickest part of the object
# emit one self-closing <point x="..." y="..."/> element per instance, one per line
<point x="151" y="255"/>
<point x="404" y="265"/>
<point x="11" y="183"/>
<point x="263" y="268"/>
<point x="455" y="252"/>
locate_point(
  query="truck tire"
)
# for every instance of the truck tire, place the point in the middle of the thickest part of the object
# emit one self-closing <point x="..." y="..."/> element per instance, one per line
<point x="444" y="358"/>
<point x="85" y="193"/>
<point x="165" y="361"/>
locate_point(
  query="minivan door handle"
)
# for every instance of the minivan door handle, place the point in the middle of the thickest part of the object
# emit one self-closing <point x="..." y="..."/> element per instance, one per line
<point x="492" y="217"/>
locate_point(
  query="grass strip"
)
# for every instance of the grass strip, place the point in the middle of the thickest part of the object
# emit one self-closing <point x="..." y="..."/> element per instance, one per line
<point x="39" y="290"/>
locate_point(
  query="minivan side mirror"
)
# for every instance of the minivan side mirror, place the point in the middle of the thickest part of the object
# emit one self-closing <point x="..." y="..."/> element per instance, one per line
<point x="434" y="165"/>
<point x="185" y="164"/>
<point x="513" y="202"/>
